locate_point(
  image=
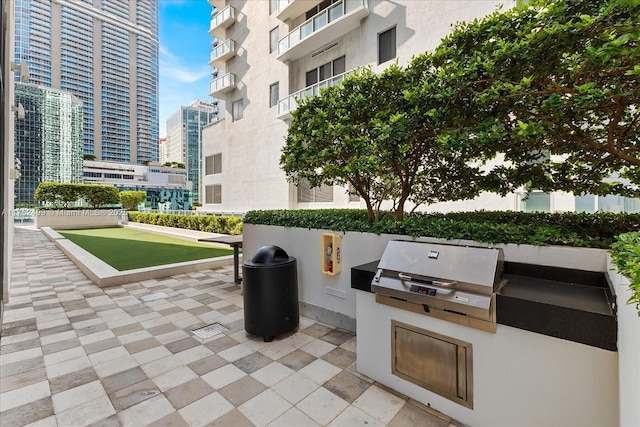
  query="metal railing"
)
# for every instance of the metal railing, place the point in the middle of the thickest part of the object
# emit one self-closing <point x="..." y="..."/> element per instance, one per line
<point x="222" y="49"/>
<point x="290" y="103"/>
<point x="319" y="21"/>
<point x="226" y="81"/>
<point x="225" y="14"/>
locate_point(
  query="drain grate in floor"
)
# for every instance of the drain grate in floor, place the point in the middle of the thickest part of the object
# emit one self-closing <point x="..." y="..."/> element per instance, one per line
<point x="153" y="297"/>
<point x="210" y="330"/>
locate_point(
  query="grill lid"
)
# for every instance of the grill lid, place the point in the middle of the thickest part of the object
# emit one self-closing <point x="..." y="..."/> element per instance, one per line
<point x="464" y="267"/>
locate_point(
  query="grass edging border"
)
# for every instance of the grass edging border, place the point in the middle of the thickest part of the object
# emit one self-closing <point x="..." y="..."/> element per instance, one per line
<point x="103" y="275"/>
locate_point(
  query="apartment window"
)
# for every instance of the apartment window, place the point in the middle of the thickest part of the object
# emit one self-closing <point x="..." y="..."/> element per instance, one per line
<point x="213" y="164"/>
<point x="320" y="194"/>
<point x="537" y="201"/>
<point x="237" y="109"/>
<point x="387" y="45"/>
<point x="274" y="93"/>
<point x="325" y="71"/>
<point x="273" y="39"/>
<point x="213" y="194"/>
<point x="353" y="197"/>
<point x="319" y="8"/>
<point x="273" y="6"/>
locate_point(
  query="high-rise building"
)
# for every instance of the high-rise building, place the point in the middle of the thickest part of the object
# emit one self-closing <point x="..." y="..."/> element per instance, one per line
<point x="106" y="54"/>
<point x="162" y="150"/>
<point x="184" y="138"/>
<point x="48" y="140"/>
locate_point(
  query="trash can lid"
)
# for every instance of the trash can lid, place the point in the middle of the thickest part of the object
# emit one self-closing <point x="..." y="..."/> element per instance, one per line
<point x="269" y="255"/>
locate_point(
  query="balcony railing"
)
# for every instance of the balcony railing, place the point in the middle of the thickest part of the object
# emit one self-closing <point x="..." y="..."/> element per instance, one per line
<point x="290" y="103"/>
<point x="291" y="9"/>
<point x="222" y="52"/>
<point x="222" y="19"/>
<point x="222" y="84"/>
<point x="335" y="21"/>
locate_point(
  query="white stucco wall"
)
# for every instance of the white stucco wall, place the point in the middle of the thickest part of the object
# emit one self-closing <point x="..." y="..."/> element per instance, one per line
<point x="628" y="350"/>
<point x="565" y="383"/>
<point x="360" y="248"/>
<point x="520" y="378"/>
<point x="251" y="177"/>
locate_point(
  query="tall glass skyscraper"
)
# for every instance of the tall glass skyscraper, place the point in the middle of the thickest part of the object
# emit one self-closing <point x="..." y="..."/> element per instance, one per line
<point x="105" y="52"/>
<point x="184" y="139"/>
<point x="48" y="141"/>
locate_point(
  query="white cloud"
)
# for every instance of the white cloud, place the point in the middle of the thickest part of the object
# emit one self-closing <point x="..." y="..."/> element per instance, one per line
<point x="178" y="73"/>
<point x="172" y="68"/>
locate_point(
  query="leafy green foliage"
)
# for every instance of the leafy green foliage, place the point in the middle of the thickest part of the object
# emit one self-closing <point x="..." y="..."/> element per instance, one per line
<point x="62" y="194"/>
<point x="566" y="229"/>
<point x="131" y="199"/>
<point x="559" y="77"/>
<point x="209" y="223"/>
<point x="625" y="253"/>
<point x="99" y="195"/>
<point x="375" y="135"/>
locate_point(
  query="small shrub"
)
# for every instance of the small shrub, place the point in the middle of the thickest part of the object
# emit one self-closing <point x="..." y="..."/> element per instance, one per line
<point x="62" y="194"/>
<point x="131" y="199"/>
<point x="208" y="223"/>
<point x="625" y="253"/>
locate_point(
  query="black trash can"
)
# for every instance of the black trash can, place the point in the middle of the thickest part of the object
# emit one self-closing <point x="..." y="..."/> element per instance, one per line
<point x="270" y="293"/>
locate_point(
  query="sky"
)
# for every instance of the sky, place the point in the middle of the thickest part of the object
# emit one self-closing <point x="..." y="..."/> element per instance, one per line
<point x="185" y="46"/>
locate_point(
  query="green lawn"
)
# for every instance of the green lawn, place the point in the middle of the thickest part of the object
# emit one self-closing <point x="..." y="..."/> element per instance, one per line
<point x="126" y="249"/>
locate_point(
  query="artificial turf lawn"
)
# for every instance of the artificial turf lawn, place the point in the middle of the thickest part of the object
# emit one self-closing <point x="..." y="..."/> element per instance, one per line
<point x="126" y="249"/>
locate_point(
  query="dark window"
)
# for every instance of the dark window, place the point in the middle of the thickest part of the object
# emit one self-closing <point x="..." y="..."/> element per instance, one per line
<point x="319" y="8"/>
<point x="274" y="93"/>
<point x="237" y="109"/>
<point x="312" y="77"/>
<point x="213" y="194"/>
<point x="339" y="65"/>
<point x="324" y="193"/>
<point x="387" y="45"/>
<point x="326" y="71"/>
<point x="213" y="164"/>
<point x="273" y="40"/>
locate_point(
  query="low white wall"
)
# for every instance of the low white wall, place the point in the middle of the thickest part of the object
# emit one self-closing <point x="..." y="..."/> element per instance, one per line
<point x="334" y="293"/>
<point x="81" y="218"/>
<point x="628" y="352"/>
<point x="610" y="377"/>
<point x="520" y="378"/>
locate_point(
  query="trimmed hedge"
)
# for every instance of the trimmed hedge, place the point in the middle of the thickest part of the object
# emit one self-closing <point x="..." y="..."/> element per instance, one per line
<point x="590" y="230"/>
<point x="209" y="223"/>
<point x="61" y="194"/>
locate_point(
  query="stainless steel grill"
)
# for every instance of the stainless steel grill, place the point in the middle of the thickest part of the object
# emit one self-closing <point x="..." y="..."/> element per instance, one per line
<point x="457" y="283"/>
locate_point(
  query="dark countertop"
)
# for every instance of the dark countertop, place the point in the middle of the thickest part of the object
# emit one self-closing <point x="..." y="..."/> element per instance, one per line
<point x="574" y="305"/>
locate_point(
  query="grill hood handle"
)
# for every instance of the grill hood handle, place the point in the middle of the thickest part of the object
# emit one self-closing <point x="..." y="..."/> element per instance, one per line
<point x="404" y="276"/>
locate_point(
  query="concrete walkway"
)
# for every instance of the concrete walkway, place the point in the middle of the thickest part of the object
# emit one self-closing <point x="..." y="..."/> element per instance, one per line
<point x="73" y="354"/>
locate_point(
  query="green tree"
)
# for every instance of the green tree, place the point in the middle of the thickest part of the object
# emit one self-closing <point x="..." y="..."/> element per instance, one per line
<point x="57" y="193"/>
<point x="373" y="133"/>
<point x="99" y="195"/>
<point x="556" y="77"/>
<point x="131" y="199"/>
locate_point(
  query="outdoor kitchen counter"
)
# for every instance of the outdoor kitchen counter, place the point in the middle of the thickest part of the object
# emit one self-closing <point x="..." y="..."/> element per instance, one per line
<point x="574" y="305"/>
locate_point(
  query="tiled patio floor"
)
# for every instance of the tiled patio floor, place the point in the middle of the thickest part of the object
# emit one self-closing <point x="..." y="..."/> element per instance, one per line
<point x="73" y="354"/>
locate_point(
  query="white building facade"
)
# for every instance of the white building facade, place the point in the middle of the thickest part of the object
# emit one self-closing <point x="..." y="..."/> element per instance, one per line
<point x="268" y="55"/>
